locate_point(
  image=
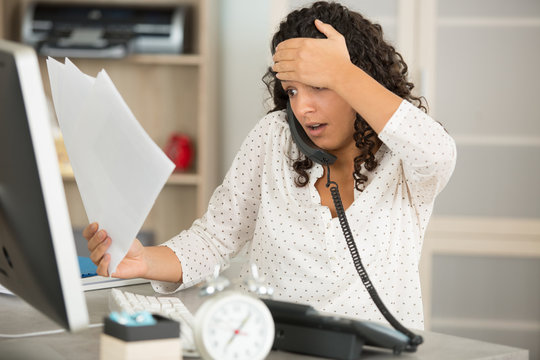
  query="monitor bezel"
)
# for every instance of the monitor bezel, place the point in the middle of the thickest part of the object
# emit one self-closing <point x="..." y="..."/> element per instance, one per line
<point x="54" y="200"/>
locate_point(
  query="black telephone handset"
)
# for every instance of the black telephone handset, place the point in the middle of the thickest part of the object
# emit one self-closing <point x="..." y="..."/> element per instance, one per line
<point x="306" y="146"/>
<point x="318" y="155"/>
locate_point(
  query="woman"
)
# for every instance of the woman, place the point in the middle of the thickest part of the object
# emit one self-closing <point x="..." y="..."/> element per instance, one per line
<point x="349" y="91"/>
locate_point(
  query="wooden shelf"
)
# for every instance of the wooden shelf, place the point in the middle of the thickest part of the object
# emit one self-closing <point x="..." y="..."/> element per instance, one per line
<point x="167" y="93"/>
<point x="178" y="178"/>
<point x="155" y="59"/>
<point x="184" y="179"/>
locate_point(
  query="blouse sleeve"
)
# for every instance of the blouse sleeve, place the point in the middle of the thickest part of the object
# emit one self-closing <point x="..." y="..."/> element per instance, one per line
<point x="426" y="151"/>
<point x="229" y="221"/>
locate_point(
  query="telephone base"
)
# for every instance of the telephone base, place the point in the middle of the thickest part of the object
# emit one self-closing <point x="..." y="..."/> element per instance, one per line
<point x="317" y="342"/>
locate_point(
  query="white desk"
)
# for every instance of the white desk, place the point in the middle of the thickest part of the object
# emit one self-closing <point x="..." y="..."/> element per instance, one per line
<point x="18" y="317"/>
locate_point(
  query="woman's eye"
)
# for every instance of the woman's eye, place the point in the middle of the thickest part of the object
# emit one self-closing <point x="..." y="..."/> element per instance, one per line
<point x="291" y="92"/>
<point x="318" y="88"/>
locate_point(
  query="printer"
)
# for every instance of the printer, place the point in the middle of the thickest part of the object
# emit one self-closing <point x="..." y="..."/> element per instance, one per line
<point x="106" y="31"/>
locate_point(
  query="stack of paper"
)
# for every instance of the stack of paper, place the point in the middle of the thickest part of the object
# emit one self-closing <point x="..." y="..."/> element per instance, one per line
<point x="119" y="170"/>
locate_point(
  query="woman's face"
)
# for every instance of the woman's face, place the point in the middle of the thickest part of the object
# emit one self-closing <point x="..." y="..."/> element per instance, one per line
<point x="327" y="119"/>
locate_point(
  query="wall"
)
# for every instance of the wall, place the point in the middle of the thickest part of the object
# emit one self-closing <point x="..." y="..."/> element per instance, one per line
<point x="243" y="48"/>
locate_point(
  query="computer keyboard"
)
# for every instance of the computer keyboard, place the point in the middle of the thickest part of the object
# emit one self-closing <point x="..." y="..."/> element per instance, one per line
<point x="166" y="306"/>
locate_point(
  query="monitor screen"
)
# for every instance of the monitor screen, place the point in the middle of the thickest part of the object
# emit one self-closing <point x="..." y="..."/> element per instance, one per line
<point x="38" y="260"/>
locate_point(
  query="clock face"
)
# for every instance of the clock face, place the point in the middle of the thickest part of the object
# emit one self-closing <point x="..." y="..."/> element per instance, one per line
<point x="234" y="326"/>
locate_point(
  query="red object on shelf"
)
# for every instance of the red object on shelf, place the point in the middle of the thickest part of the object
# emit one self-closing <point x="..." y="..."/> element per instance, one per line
<point x="179" y="149"/>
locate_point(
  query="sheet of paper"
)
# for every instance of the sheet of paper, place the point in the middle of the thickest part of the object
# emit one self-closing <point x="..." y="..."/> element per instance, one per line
<point x="4" y="290"/>
<point x="119" y="170"/>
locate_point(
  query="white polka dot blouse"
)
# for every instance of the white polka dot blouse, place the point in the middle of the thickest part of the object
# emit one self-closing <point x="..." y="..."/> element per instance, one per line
<point x="299" y="248"/>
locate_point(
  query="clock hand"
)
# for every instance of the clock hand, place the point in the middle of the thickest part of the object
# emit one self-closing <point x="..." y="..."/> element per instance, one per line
<point x="237" y="331"/>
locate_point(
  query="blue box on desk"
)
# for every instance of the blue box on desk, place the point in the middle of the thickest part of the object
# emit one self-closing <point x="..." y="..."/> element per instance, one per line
<point x="119" y="341"/>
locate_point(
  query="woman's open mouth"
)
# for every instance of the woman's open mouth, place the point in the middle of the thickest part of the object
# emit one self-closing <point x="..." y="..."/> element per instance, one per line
<point x="315" y="129"/>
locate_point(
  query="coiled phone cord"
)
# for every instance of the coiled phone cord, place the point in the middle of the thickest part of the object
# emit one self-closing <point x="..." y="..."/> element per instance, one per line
<point x="414" y="339"/>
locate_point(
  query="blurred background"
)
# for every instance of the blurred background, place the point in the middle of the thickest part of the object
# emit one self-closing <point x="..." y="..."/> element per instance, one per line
<point x="477" y="64"/>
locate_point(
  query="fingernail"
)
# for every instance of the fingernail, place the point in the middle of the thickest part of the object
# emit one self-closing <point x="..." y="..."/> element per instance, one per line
<point x="101" y="235"/>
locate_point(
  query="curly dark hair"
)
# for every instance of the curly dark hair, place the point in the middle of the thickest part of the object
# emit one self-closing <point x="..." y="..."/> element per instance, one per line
<point x="368" y="50"/>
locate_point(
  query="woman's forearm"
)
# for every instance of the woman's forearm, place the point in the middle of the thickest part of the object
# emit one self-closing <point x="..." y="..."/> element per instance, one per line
<point x="371" y="100"/>
<point x="163" y="264"/>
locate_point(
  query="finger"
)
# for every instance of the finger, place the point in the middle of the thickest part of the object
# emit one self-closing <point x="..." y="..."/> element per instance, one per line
<point x="287" y="76"/>
<point x="103" y="266"/>
<point x="292" y="43"/>
<point x="283" y="66"/>
<point x="97" y="255"/>
<point x="90" y="230"/>
<point x="96" y="240"/>
<point x="327" y="29"/>
<point x="284" y="54"/>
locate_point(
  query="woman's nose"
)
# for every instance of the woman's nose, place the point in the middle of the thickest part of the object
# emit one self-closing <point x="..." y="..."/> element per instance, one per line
<point x="304" y="104"/>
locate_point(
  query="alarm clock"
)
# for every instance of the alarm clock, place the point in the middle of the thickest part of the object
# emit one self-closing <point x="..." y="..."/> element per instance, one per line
<point x="232" y="324"/>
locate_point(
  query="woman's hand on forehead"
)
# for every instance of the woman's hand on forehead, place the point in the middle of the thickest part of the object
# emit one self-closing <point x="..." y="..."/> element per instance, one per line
<point x="314" y="62"/>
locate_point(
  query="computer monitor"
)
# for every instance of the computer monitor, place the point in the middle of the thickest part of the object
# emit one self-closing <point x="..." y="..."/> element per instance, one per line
<point x="38" y="260"/>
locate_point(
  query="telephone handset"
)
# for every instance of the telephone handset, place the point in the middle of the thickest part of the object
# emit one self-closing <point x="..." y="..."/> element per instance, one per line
<point x="307" y="147"/>
<point x="318" y="155"/>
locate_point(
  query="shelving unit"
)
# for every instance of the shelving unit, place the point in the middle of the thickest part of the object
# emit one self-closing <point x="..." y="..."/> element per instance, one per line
<point x="166" y="93"/>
